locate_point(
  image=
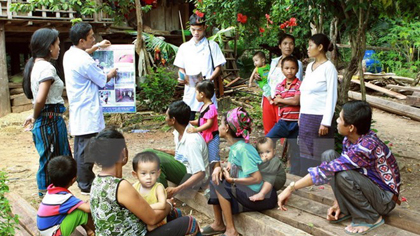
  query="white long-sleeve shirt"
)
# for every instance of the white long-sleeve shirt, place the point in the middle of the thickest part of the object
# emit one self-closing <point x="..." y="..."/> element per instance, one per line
<point x="83" y="80"/>
<point x="319" y="92"/>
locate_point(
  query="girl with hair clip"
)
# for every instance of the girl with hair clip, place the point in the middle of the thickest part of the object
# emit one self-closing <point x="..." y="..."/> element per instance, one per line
<point x="232" y="187"/>
<point x="317" y="104"/>
<point x="117" y="207"/>
<point x="42" y="84"/>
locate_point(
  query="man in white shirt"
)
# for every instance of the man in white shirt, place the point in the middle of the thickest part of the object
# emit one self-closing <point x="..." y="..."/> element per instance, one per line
<point x="194" y="57"/>
<point x="189" y="167"/>
<point x="83" y="80"/>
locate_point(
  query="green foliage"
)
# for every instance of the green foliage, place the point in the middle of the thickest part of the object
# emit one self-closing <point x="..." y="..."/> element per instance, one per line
<point x="404" y="37"/>
<point x="158" y="89"/>
<point x="7" y="222"/>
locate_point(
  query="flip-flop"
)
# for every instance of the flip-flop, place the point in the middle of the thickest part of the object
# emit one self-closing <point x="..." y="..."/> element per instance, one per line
<point x="340" y="219"/>
<point x="371" y="227"/>
<point x="208" y="230"/>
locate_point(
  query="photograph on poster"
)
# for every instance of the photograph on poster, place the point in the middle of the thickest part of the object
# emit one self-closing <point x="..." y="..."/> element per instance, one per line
<point x="104" y="59"/>
<point x="124" y="95"/>
<point x="124" y="77"/>
<point x="123" y="56"/>
<point x="106" y="97"/>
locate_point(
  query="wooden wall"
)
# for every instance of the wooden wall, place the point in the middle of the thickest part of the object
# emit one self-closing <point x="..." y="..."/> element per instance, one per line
<point x="4" y="80"/>
<point x="166" y="17"/>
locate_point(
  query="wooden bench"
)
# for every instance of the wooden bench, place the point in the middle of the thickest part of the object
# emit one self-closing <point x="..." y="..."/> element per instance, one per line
<point x="27" y="217"/>
<point x="306" y="215"/>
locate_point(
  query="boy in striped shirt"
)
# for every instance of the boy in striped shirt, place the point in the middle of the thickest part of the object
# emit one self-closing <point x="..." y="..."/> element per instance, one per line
<point x="60" y="212"/>
<point x="287" y="99"/>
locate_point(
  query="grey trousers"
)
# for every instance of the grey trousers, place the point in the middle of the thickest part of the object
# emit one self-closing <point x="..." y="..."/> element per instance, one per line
<point x="359" y="196"/>
<point x="85" y="174"/>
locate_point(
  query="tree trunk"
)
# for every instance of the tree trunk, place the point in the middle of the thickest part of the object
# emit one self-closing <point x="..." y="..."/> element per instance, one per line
<point x="139" y="14"/>
<point x="334" y="39"/>
<point x="358" y="48"/>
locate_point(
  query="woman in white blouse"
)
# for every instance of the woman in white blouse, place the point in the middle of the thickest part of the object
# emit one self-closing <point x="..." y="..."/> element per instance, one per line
<point x="317" y="104"/>
<point x="275" y="76"/>
<point x="42" y="84"/>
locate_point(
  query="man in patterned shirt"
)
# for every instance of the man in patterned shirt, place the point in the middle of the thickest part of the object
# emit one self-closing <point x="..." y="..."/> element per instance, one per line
<point x="365" y="178"/>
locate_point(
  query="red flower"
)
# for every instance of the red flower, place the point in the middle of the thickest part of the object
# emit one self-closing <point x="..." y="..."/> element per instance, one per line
<point x="200" y="1"/>
<point x="262" y="30"/>
<point x="267" y="16"/>
<point x="199" y="14"/>
<point x="292" y="22"/>
<point x="282" y="26"/>
<point x="403" y="199"/>
<point x="242" y="18"/>
<point x="321" y="187"/>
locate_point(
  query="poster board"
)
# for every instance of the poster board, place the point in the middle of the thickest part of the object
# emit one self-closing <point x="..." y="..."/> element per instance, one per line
<point x="119" y="94"/>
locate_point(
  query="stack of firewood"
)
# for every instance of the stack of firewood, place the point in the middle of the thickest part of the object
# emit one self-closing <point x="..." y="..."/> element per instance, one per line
<point x="18" y="100"/>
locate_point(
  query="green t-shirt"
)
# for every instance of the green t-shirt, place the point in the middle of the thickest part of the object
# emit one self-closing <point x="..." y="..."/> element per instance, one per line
<point x="246" y="157"/>
<point x="273" y="172"/>
<point x="263" y="72"/>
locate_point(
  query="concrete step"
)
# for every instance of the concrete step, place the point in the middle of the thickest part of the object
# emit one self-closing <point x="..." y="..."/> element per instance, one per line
<point x="247" y="223"/>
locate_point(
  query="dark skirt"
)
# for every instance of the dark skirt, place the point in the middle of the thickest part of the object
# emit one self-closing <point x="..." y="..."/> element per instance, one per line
<point x="238" y="196"/>
<point x="311" y="144"/>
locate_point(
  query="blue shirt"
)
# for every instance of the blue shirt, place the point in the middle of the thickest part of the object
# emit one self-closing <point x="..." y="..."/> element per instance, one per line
<point x="83" y="81"/>
<point x="246" y="157"/>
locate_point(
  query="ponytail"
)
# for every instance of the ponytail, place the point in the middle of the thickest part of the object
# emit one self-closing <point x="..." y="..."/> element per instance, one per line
<point x="26" y="83"/>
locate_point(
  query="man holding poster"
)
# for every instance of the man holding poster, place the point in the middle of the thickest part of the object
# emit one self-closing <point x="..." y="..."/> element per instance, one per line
<point x="83" y="80"/>
<point x="198" y="59"/>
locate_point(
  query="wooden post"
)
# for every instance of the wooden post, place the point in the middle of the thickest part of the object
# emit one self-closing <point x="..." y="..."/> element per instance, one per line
<point x="4" y="80"/>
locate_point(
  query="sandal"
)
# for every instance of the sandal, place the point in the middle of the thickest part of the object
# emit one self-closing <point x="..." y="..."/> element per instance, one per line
<point x="208" y="230"/>
<point x="371" y="227"/>
<point x="340" y="219"/>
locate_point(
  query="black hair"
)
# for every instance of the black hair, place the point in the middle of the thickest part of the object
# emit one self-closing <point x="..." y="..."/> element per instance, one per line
<point x="40" y="44"/>
<point x="259" y="54"/>
<point x="62" y="170"/>
<point x="322" y="39"/>
<point x="79" y="31"/>
<point x="285" y="36"/>
<point x="145" y="157"/>
<point x="206" y="87"/>
<point x="105" y="149"/>
<point x="292" y="59"/>
<point x="263" y="140"/>
<point x="197" y="20"/>
<point x="180" y="111"/>
<point x="230" y="130"/>
<point x="359" y="114"/>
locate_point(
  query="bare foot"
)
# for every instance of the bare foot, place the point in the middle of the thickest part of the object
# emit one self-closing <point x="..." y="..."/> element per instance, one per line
<point x="357" y="228"/>
<point x="231" y="232"/>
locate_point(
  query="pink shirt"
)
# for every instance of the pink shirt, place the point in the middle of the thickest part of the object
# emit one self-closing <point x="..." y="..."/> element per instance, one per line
<point x="209" y="113"/>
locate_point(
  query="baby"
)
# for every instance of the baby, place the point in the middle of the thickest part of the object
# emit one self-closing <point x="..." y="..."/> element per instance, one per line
<point x="271" y="169"/>
<point x="146" y="168"/>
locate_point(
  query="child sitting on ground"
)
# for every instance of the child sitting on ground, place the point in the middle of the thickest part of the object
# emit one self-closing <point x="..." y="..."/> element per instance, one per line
<point x="207" y="121"/>
<point x="60" y="212"/>
<point x="146" y="168"/>
<point x="271" y="169"/>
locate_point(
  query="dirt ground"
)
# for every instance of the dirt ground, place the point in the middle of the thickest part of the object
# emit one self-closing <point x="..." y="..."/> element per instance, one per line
<point x="20" y="159"/>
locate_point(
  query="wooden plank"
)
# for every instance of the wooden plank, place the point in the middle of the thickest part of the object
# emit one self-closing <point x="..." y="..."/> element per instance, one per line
<point x="18" y="109"/>
<point x="20" y="99"/>
<point x="16" y="91"/>
<point x="14" y="85"/>
<point x="248" y="223"/>
<point x="232" y="82"/>
<point x="4" y="80"/>
<point x="26" y="213"/>
<point x="382" y="90"/>
<point x="403" y="88"/>
<point x="413" y="101"/>
<point x="399" y="217"/>
<point x="390" y="106"/>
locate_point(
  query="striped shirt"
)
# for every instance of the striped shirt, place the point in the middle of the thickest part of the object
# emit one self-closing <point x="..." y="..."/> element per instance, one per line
<point x="369" y="156"/>
<point x="288" y="112"/>
<point x="56" y="205"/>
